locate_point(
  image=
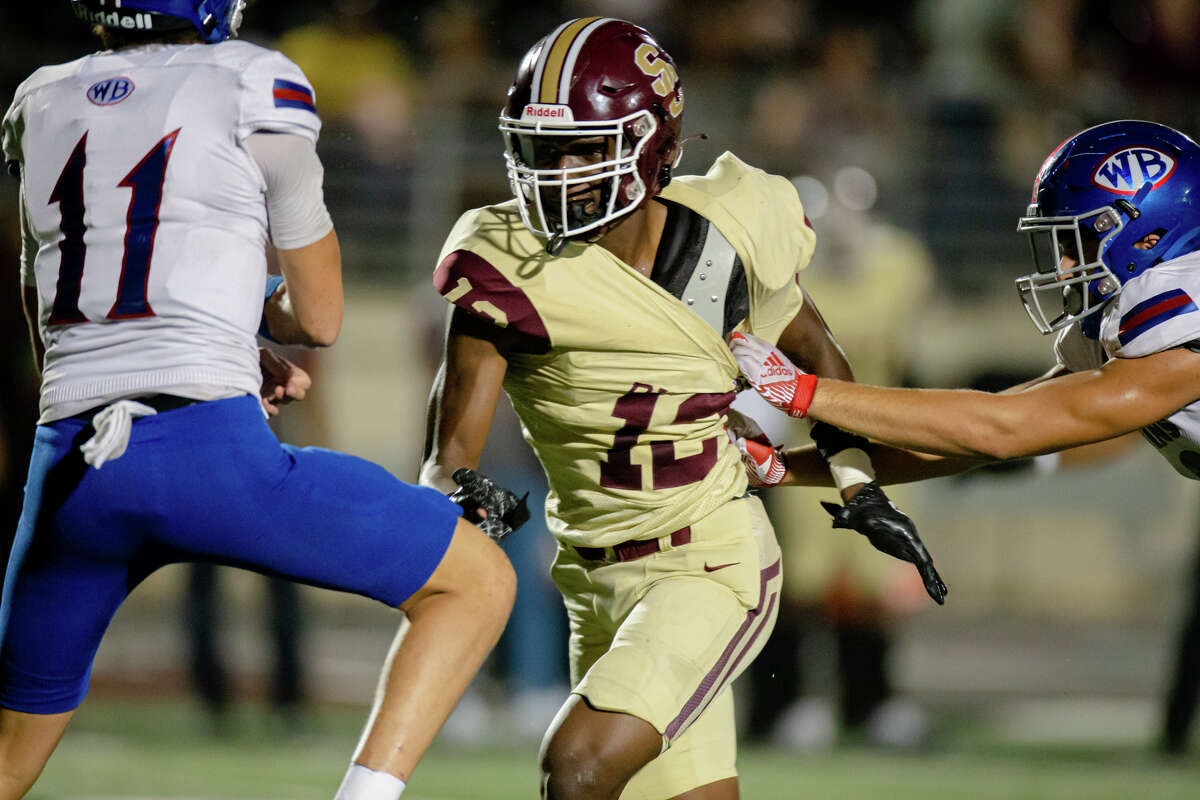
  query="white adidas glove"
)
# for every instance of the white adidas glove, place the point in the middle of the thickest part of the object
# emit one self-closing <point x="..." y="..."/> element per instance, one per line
<point x="772" y="374"/>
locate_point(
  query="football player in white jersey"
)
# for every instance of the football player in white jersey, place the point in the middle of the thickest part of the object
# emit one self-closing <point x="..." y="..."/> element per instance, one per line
<point x="598" y="298"/>
<point x="1115" y="227"/>
<point x="153" y="175"/>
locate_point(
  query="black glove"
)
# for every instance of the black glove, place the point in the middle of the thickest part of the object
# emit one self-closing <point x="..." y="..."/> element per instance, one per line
<point x="477" y="492"/>
<point x="889" y="529"/>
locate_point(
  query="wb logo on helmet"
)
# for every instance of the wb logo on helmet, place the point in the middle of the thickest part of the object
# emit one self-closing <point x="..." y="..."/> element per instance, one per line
<point x="1126" y="171"/>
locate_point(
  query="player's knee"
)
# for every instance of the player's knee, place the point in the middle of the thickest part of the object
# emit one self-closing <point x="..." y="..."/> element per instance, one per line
<point x="572" y="772"/>
<point x="499" y="583"/>
<point x="484" y="572"/>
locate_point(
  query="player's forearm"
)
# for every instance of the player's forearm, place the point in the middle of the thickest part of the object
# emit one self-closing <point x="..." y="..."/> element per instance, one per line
<point x="462" y="403"/>
<point x="437" y="475"/>
<point x="892" y="465"/>
<point x="947" y="422"/>
<point x="442" y="454"/>
<point x="308" y="309"/>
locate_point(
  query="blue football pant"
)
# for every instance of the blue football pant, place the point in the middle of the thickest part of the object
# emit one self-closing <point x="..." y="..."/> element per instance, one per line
<point x="206" y="482"/>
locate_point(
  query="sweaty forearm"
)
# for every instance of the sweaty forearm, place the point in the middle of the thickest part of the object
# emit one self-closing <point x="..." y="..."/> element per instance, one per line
<point x="947" y="422"/>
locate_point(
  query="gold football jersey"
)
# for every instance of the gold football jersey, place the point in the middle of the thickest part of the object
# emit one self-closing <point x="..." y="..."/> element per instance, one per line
<point x="625" y="407"/>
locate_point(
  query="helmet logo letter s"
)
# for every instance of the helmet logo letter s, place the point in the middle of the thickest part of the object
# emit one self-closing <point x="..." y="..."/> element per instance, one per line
<point x="1126" y="171"/>
<point x="664" y="74"/>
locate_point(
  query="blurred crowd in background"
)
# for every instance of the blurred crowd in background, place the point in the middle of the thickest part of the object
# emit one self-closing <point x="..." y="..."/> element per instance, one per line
<point x="912" y="133"/>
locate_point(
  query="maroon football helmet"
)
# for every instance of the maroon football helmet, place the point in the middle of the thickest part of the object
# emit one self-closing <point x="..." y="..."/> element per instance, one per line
<point x="600" y="81"/>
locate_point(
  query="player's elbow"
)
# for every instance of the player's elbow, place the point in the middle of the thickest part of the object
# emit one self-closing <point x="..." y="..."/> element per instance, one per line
<point x="997" y="437"/>
<point x="323" y="335"/>
<point x="997" y="450"/>
<point x="321" y="326"/>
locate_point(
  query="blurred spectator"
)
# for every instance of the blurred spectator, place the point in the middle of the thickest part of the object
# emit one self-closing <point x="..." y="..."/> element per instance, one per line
<point x="841" y="112"/>
<point x="209" y="671"/>
<point x="872" y="281"/>
<point x="963" y="84"/>
<point x="529" y="664"/>
<point x="1184" y="691"/>
<point x="19" y="401"/>
<point x="363" y="77"/>
<point x="1160" y="61"/>
<point x="366" y="94"/>
<point x="304" y="424"/>
<point x="531" y="655"/>
<point x="738" y="35"/>
<point x="838" y="127"/>
<point x="459" y="164"/>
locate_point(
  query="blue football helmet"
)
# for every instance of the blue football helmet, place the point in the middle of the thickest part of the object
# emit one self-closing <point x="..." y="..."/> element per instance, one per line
<point x="217" y="20"/>
<point x="1096" y="199"/>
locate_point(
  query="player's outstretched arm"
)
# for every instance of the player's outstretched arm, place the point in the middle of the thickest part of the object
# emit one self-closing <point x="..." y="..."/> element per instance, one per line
<point x="1063" y="412"/>
<point x="1057" y="412"/>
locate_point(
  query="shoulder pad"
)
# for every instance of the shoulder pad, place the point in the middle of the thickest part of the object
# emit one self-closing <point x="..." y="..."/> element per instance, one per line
<point x="475" y="285"/>
<point x="1155" y="311"/>
<point x="276" y="95"/>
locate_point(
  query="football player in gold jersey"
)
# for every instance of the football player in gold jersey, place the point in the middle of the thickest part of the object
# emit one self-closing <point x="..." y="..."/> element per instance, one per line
<point x="599" y="299"/>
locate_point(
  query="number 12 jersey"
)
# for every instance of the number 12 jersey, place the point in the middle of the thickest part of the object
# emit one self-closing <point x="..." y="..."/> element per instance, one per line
<point x="624" y="403"/>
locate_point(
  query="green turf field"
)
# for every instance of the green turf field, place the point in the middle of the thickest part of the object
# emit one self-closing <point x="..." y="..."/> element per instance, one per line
<point x="162" y="750"/>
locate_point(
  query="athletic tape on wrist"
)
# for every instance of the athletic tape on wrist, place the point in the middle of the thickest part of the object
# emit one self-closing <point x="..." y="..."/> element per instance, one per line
<point x="1047" y="463"/>
<point x="850" y="467"/>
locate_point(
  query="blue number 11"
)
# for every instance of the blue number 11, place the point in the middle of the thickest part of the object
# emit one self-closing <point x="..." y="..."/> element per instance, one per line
<point x="141" y="224"/>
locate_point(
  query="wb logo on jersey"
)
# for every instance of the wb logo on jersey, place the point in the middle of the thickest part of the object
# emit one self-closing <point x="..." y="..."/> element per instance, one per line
<point x="1126" y="171"/>
<point x="110" y="91"/>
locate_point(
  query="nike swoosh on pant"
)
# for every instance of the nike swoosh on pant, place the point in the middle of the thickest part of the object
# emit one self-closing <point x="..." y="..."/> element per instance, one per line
<point x="707" y="568"/>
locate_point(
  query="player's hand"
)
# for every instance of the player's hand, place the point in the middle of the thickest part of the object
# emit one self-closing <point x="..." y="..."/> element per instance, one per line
<point x="283" y="381"/>
<point x="772" y="374"/>
<point x="764" y="463"/>
<point x="890" y="530"/>
<point x="495" y="510"/>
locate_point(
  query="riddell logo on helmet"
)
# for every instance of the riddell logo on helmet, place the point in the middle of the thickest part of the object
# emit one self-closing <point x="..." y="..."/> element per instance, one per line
<point x="547" y="111"/>
<point x="115" y="19"/>
<point x="1128" y="170"/>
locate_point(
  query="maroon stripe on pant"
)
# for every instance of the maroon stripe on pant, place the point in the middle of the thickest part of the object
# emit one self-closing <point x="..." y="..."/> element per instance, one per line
<point x="712" y="683"/>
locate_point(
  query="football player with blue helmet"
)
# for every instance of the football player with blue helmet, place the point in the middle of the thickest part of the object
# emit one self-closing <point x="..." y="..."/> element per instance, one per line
<point x="1114" y="224"/>
<point x="216" y="20"/>
<point x="153" y="180"/>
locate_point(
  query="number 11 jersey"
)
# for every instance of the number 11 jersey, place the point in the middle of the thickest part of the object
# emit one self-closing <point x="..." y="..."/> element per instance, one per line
<point x="144" y="217"/>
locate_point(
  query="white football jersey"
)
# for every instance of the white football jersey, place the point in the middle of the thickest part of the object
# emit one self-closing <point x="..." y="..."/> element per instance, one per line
<point x="1154" y="312"/>
<point x="148" y="218"/>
